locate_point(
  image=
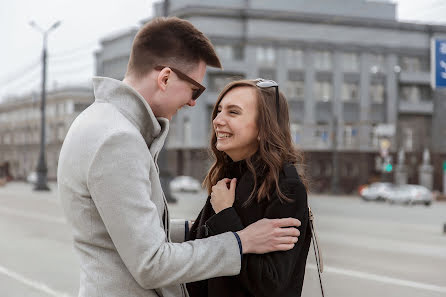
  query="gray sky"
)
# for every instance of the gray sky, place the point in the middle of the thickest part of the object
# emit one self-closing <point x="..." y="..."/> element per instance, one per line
<point x="84" y="23"/>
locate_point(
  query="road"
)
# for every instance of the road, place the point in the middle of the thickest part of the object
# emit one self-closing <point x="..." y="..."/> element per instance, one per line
<point x="369" y="249"/>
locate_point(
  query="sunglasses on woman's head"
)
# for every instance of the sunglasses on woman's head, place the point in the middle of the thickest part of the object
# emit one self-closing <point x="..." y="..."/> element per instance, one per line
<point x="195" y="92"/>
<point x="268" y="83"/>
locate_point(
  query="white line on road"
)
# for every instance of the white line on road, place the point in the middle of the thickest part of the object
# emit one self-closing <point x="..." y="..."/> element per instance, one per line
<point x="33" y="284"/>
<point x="29" y="215"/>
<point x="383" y="279"/>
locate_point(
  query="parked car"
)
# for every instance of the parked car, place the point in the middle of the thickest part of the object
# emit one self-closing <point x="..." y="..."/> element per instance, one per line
<point x="184" y="183"/>
<point x="375" y="191"/>
<point x="410" y="194"/>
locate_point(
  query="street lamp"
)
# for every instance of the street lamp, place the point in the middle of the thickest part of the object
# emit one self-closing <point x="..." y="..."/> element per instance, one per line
<point x="42" y="169"/>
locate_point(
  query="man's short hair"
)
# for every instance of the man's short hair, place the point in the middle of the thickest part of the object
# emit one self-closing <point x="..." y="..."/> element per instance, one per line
<point x="171" y="42"/>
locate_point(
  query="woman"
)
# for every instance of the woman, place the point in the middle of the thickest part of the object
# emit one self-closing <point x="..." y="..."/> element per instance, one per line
<point x="254" y="176"/>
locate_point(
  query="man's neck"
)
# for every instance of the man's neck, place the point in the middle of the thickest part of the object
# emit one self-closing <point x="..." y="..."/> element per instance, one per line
<point x="143" y="88"/>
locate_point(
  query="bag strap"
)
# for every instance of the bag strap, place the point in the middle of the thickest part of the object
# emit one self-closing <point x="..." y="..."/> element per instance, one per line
<point x="317" y="250"/>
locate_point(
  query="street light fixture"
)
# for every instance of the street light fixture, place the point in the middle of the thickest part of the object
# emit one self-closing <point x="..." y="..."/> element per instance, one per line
<point x="42" y="169"/>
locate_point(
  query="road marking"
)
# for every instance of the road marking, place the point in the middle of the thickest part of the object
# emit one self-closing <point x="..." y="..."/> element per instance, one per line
<point x="383" y="279"/>
<point x="29" y="215"/>
<point x="32" y="284"/>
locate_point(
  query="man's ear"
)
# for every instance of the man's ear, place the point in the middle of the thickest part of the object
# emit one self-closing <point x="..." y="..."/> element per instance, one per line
<point x="163" y="78"/>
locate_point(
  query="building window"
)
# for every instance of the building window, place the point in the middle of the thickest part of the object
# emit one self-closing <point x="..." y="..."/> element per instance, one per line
<point x="316" y="168"/>
<point x="295" y="58"/>
<point x="217" y="81"/>
<point x="230" y="52"/>
<point x="374" y="136"/>
<point x="267" y="73"/>
<point x="350" y="170"/>
<point x="296" y="132"/>
<point x="414" y="64"/>
<point x="79" y="107"/>
<point x="60" y="108"/>
<point x="266" y="56"/>
<point x="51" y="110"/>
<point x="377" y="93"/>
<point x="328" y="169"/>
<point x="323" y="60"/>
<point x="350" y="92"/>
<point x="187" y="126"/>
<point x="60" y="131"/>
<point x="7" y="138"/>
<point x="415" y="93"/>
<point x="350" y="135"/>
<point x="69" y="107"/>
<point x="294" y="90"/>
<point x="323" y="91"/>
<point x="377" y="63"/>
<point x="321" y="134"/>
<point x="350" y="62"/>
<point x="408" y="139"/>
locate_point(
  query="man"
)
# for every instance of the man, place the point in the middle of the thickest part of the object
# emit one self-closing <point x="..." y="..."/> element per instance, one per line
<point x="109" y="183"/>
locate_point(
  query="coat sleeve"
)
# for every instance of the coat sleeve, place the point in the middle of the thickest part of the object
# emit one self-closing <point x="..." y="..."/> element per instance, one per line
<point x="178" y="230"/>
<point x="119" y="181"/>
<point x="269" y="274"/>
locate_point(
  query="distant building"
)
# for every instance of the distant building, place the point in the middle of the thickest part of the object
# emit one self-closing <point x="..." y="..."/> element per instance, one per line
<point x="350" y="71"/>
<point x="20" y="128"/>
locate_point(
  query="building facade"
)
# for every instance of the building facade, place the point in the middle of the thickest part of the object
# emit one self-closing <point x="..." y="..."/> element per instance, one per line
<point x="20" y="128"/>
<point x="356" y="80"/>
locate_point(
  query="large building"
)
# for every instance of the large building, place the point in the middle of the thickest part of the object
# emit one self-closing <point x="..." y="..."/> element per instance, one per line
<point x="356" y="79"/>
<point x="20" y="127"/>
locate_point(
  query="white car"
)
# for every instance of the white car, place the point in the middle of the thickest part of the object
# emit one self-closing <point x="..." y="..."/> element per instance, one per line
<point x="185" y="184"/>
<point x="376" y="191"/>
<point x="32" y="177"/>
<point x="410" y="194"/>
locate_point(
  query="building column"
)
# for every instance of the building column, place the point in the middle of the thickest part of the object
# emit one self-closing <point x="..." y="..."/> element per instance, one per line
<point x="281" y="67"/>
<point x="252" y="70"/>
<point x="309" y="107"/>
<point x="338" y="107"/>
<point x="364" y="103"/>
<point x="392" y="83"/>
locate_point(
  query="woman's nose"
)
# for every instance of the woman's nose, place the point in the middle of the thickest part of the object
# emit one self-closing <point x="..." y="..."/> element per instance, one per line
<point x="218" y="120"/>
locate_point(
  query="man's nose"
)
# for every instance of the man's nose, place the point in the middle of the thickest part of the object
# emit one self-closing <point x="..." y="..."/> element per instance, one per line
<point x="191" y="102"/>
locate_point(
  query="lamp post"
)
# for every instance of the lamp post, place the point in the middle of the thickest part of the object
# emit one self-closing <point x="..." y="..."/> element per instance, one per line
<point x="42" y="169"/>
<point x="335" y="164"/>
<point x="165" y="176"/>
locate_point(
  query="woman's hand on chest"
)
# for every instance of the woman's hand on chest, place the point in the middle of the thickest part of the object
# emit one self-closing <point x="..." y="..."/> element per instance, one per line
<point x="223" y="194"/>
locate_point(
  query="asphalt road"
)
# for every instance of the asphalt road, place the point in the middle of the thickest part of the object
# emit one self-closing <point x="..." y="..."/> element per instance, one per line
<point x="369" y="249"/>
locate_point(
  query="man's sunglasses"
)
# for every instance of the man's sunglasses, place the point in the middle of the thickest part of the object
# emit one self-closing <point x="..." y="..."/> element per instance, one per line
<point x="267" y="83"/>
<point x="195" y="92"/>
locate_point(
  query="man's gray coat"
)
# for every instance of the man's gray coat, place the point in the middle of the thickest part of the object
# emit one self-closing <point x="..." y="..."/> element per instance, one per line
<point x="110" y="190"/>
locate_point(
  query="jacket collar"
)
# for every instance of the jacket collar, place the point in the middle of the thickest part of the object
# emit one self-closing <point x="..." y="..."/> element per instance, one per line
<point x="135" y="108"/>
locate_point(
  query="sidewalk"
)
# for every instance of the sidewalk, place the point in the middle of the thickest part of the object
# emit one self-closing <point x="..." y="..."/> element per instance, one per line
<point x="187" y="207"/>
<point x="21" y="189"/>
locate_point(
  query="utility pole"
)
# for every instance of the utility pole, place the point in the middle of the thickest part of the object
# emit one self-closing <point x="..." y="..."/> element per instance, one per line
<point x="335" y="171"/>
<point x="42" y="169"/>
<point x="162" y="158"/>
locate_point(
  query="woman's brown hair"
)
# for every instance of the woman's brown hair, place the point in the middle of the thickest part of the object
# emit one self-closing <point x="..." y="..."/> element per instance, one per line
<point x="275" y="145"/>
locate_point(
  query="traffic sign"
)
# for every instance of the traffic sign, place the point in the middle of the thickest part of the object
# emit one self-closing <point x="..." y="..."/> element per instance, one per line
<point x="438" y="63"/>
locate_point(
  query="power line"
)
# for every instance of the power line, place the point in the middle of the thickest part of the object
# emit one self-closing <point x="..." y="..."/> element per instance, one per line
<point x="84" y="47"/>
<point x="56" y="58"/>
<point x="17" y="74"/>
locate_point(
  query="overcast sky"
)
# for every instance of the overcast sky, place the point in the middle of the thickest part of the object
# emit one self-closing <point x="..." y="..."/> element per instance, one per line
<point x="84" y="23"/>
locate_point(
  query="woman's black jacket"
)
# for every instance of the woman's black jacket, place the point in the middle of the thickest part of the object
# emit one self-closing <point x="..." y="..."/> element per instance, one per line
<point x="268" y="275"/>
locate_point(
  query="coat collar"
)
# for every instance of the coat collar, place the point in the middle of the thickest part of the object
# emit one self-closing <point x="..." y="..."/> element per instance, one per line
<point x="135" y="108"/>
